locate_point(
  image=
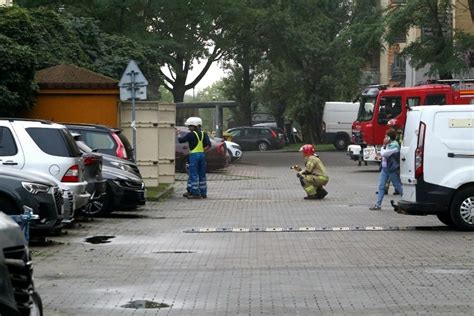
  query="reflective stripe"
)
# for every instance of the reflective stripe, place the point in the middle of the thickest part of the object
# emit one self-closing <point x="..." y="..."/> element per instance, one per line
<point x="199" y="147"/>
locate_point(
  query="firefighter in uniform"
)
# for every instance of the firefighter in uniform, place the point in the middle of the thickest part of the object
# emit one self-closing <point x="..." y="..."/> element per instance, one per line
<point x="198" y="143"/>
<point x="314" y="176"/>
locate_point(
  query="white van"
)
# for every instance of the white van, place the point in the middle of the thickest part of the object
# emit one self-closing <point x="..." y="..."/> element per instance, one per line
<point x="337" y="123"/>
<point x="437" y="164"/>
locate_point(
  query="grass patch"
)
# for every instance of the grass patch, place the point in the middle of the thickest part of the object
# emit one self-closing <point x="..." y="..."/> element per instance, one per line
<point x="162" y="191"/>
<point x="319" y="147"/>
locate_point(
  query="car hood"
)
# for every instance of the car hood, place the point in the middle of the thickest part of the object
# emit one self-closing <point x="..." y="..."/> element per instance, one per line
<point x="229" y="143"/>
<point x="30" y="176"/>
<point x="119" y="174"/>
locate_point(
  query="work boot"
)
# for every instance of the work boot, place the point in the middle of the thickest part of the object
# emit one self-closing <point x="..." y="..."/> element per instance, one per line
<point x="311" y="197"/>
<point x="194" y="197"/>
<point x="321" y="193"/>
<point x="204" y="196"/>
<point x="186" y="194"/>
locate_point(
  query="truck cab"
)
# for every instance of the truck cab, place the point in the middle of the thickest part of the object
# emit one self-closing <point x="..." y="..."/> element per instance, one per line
<point x="379" y="104"/>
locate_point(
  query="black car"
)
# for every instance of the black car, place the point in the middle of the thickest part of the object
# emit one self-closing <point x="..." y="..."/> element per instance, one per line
<point x="125" y="188"/>
<point x="22" y="188"/>
<point x="17" y="290"/>
<point x="257" y="138"/>
<point x="103" y="139"/>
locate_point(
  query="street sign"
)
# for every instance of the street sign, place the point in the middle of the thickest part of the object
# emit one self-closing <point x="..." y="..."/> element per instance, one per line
<point x="133" y="86"/>
<point x="133" y="76"/>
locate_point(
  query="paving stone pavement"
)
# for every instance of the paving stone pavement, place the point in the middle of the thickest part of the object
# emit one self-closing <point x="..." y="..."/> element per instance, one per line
<point x="419" y="272"/>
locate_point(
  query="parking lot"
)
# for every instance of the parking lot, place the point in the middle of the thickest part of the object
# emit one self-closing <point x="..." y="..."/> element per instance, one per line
<point x="256" y="247"/>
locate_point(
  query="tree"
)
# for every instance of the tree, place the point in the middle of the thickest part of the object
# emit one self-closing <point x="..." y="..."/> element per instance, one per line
<point x="439" y="46"/>
<point x="17" y="86"/>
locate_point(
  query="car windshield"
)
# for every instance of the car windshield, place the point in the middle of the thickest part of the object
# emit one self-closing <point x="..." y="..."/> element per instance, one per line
<point x="366" y="109"/>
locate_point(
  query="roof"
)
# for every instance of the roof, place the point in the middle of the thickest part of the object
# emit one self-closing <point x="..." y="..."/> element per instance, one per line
<point x="73" y="77"/>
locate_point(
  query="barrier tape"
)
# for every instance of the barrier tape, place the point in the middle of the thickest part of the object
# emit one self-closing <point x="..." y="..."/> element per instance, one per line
<point x="310" y="229"/>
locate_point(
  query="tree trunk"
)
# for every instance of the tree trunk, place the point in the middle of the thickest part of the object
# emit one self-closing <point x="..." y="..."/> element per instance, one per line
<point x="246" y="100"/>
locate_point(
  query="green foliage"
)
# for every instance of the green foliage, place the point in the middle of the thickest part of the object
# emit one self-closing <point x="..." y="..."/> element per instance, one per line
<point x="437" y="47"/>
<point x="17" y="85"/>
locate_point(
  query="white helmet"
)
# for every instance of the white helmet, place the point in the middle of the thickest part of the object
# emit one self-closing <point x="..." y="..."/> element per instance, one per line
<point x="194" y="121"/>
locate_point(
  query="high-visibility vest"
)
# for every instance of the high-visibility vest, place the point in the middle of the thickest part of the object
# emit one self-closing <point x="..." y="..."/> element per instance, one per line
<point x="200" y="146"/>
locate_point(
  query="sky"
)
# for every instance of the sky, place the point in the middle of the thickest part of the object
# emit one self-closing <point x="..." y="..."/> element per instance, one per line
<point x="213" y="74"/>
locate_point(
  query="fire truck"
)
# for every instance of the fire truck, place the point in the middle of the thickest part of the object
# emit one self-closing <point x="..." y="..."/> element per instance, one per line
<point x="379" y="104"/>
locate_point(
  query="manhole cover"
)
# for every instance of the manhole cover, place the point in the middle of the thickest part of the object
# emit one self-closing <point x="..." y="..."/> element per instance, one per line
<point x="142" y="304"/>
<point x="99" y="239"/>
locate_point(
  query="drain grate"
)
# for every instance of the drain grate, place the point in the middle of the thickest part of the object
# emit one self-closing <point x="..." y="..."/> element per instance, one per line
<point x="144" y="304"/>
<point x="312" y="229"/>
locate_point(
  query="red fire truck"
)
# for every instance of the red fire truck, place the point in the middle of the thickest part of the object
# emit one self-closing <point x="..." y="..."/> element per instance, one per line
<point x="379" y="104"/>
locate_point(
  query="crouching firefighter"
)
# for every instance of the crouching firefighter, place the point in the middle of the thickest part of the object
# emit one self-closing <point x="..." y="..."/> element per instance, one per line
<point x="314" y="176"/>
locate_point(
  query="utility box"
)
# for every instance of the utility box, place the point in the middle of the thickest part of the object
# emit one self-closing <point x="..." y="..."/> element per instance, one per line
<point x="155" y="138"/>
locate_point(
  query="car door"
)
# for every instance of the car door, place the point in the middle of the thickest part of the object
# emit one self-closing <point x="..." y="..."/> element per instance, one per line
<point x="11" y="154"/>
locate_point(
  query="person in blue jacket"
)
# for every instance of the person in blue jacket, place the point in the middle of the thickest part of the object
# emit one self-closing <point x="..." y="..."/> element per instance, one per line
<point x="198" y="143"/>
<point x="390" y="167"/>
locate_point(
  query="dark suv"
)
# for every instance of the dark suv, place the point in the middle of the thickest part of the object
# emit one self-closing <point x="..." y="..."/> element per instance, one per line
<point x="17" y="291"/>
<point x="259" y="138"/>
<point x="20" y="188"/>
<point x="104" y="139"/>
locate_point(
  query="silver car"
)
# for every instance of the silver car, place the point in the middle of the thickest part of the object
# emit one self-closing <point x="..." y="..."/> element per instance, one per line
<point x="44" y="147"/>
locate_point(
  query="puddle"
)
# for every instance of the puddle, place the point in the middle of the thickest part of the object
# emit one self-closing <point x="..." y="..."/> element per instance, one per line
<point x="142" y="304"/>
<point x="99" y="239"/>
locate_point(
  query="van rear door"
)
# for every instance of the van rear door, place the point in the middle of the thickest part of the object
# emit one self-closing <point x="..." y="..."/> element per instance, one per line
<point x="407" y="154"/>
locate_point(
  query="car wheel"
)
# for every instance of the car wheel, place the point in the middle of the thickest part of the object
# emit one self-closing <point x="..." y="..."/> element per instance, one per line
<point x="95" y="206"/>
<point x="342" y="141"/>
<point x="262" y="146"/>
<point x="446" y="219"/>
<point x="37" y="306"/>
<point x="462" y="209"/>
<point x="7" y="206"/>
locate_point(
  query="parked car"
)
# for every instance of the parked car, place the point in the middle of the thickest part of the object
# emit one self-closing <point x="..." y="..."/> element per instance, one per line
<point x="259" y="138"/>
<point x="216" y="156"/>
<point x="104" y="139"/>
<point x="18" y="295"/>
<point x="22" y="188"/>
<point x="108" y="160"/>
<point x="96" y="184"/>
<point x="436" y="164"/>
<point x="234" y="150"/>
<point x="124" y="185"/>
<point x="44" y="147"/>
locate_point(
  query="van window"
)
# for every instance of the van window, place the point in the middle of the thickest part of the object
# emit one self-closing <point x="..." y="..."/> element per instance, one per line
<point x="414" y="101"/>
<point x="54" y="141"/>
<point x="7" y="143"/>
<point x="435" y="99"/>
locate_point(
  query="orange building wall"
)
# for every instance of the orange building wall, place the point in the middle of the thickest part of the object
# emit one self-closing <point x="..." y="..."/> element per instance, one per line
<point x="77" y="106"/>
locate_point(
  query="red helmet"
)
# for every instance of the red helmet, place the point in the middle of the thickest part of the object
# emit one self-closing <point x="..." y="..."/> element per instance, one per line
<point x="308" y="150"/>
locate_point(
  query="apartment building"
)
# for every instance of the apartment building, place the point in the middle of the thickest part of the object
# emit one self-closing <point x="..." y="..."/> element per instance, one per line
<point x="390" y="68"/>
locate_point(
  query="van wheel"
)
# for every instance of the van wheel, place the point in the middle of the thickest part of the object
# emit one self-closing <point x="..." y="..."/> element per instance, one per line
<point x="445" y="218"/>
<point x="342" y="141"/>
<point x="462" y="209"/>
<point x="262" y="146"/>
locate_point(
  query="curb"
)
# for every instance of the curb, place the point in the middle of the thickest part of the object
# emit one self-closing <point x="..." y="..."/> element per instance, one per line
<point x="162" y="195"/>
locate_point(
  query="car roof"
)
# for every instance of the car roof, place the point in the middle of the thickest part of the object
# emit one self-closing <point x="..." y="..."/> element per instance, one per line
<point x="86" y="126"/>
